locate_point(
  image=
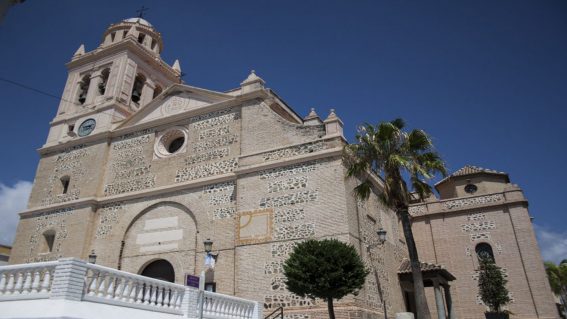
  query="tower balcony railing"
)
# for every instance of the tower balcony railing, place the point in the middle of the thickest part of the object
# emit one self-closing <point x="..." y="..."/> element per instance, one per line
<point x="86" y="290"/>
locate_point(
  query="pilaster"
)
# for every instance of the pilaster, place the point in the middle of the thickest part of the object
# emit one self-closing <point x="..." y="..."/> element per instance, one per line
<point x="69" y="279"/>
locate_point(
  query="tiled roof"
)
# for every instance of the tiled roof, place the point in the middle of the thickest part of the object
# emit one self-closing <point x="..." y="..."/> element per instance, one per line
<point x="469" y="170"/>
<point x="405" y="267"/>
<point x="432" y="269"/>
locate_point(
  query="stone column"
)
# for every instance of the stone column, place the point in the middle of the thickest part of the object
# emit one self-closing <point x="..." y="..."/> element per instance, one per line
<point x="93" y="87"/>
<point x="147" y="92"/>
<point x="190" y="303"/>
<point x="449" y="301"/>
<point x="439" y="300"/>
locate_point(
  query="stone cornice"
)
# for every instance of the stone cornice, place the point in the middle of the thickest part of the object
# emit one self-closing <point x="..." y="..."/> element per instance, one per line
<point x="454" y="205"/>
<point x="109" y="104"/>
<point x="334" y="152"/>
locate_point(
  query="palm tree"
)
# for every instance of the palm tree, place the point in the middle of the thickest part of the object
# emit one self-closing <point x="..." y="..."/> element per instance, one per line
<point x="388" y="151"/>
<point x="557" y="276"/>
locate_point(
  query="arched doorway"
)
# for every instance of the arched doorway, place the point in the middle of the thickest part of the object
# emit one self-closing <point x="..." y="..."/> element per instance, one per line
<point x="163" y="231"/>
<point x="160" y="269"/>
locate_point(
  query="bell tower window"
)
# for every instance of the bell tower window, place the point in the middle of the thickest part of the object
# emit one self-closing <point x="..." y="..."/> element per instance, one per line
<point x="83" y="89"/>
<point x="104" y="79"/>
<point x="138" y="87"/>
<point x="65" y="184"/>
<point x="141" y="38"/>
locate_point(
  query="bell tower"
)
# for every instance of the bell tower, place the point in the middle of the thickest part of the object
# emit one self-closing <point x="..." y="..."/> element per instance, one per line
<point x="106" y="85"/>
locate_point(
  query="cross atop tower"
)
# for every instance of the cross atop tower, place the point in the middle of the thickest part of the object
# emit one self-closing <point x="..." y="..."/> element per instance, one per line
<point x="141" y="11"/>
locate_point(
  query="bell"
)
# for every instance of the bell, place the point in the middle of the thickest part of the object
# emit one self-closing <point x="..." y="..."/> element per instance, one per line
<point x="82" y="97"/>
<point x="101" y="88"/>
<point x="136" y="96"/>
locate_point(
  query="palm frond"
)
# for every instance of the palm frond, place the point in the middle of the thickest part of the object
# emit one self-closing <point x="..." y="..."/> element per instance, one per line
<point x="399" y="123"/>
<point x="363" y="190"/>
<point x="418" y="140"/>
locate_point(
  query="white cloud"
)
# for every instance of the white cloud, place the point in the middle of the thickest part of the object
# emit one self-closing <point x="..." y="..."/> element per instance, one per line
<point x="12" y="201"/>
<point x="553" y="244"/>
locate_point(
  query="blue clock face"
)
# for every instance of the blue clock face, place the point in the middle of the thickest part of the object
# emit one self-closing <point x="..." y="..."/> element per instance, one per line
<point x="87" y="127"/>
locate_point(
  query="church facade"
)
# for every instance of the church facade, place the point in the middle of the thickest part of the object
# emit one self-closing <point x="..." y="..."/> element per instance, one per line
<point x="140" y="169"/>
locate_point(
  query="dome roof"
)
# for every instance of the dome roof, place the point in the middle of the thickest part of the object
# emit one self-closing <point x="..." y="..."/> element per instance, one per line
<point x="140" y="21"/>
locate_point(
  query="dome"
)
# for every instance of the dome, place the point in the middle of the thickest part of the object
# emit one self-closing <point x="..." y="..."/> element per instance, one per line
<point x="140" y="21"/>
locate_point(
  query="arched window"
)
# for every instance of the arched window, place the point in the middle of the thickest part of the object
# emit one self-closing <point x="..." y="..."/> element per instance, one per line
<point x="138" y="87"/>
<point x="157" y="91"/>
<point x="83" y="88"/>
<point x="48" y="240"/>
<point x="65" y="184"/>
<point x="103" y="80"/>
<point x="484" y="250"/>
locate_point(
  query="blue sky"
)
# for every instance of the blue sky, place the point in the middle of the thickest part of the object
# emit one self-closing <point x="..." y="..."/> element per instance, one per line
<point x="487" y="79"/>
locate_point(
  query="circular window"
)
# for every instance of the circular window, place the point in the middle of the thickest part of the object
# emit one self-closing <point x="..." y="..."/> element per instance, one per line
<point x="176" y="144"/>
<point x="172" y="141"/>
<point x="470" y="188"/>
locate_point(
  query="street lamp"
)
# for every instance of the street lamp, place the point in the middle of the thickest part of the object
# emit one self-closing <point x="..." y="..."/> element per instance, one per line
<point x="92" y="257"/>
<point x="208" y="245"/>
<point x="381" y="235"/>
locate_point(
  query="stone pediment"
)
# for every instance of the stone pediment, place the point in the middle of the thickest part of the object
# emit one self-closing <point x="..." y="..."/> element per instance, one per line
<point x="177" y="99"/>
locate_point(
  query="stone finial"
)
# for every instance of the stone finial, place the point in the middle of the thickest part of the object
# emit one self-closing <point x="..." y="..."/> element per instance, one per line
<point x="312" y="118"/>
<point x="333" y="124"/>
<point x="80" y="51"/>
<point x="176" y="66"/>
<point x="252" y="83"/>
<point x="332" y="115"/>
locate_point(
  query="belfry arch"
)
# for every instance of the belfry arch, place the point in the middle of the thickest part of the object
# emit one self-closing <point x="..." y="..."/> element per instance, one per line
<point x="160" y="242"/>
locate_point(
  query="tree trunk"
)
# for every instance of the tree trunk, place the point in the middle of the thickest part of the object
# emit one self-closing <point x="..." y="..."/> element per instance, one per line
<point x="418" y="288"/>
<point x="330" y="307"/>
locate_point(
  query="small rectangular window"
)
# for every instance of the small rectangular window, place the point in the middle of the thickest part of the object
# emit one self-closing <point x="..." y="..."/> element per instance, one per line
<point x="71" y="127"/>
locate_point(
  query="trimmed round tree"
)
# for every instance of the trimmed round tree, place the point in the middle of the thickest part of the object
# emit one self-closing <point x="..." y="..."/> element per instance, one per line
<point x="327" y="269"/>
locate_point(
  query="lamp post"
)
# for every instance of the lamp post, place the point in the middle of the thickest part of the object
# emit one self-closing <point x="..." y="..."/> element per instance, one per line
<point x="92" y="257"/>
<point x="381" y="240"/>
<point x="208" y="245"/>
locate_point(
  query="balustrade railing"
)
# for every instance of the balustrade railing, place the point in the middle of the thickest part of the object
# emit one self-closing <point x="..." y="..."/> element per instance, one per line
<point x="217" y="306"/>
<point x="76" y="280"/>
<point x="108" y="285"/>
<point x="28" y="281"/>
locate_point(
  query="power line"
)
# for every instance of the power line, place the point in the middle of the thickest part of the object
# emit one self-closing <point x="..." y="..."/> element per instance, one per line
<point x="35" y="90"/>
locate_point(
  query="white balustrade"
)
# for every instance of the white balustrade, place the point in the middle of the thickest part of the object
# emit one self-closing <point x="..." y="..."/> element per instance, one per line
<point x="108" y="285"/>
<point x="26" y="281"/>
<point x="116" y="288"/>
<point x="218" y="306"/>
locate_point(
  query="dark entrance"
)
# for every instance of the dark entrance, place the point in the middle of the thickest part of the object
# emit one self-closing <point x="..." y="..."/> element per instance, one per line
<point x="160" y="269"/>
